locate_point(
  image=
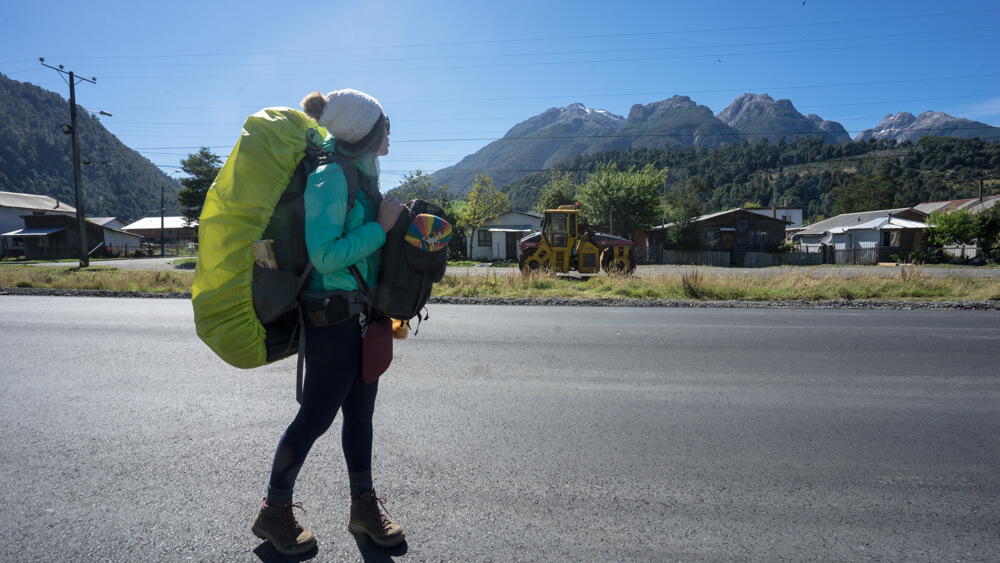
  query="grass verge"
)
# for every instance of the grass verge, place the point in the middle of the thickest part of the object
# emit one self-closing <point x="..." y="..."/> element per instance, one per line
<point x="97" y="277"/>
<point x="911" y="284"/>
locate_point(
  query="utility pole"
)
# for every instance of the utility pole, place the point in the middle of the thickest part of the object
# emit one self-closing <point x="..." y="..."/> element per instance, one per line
<point x="77" y="180"/>
<point x="163" y="243"/>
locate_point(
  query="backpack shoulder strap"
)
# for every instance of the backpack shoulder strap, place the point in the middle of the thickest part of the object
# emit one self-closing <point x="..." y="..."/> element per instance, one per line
<point x="346" y="166"/>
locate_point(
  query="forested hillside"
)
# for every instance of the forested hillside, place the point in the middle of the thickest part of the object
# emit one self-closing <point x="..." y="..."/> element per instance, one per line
<point x="36" y="157"/>
<point x="803" y="172"/>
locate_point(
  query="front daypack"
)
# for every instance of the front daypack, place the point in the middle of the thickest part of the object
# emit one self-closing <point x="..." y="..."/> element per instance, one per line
<point x="413" y="259"/>
<point x="249" y="307"/>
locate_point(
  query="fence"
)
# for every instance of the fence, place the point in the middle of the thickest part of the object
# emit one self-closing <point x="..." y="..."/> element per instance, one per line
<point x="961" y="251"/>
<point x="857" y="257"/>
<point x="720" y="259"/>
<point x="766" y="259"/>
<point x="645" y="255"/>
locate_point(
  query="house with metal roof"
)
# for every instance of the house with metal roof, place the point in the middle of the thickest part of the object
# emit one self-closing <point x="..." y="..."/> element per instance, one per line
<point x="14" y="207"/>
<point x="734" y="232"/>
<point x="883" y="233"/>
<point x="972" y="205"/>
<point x="174" y="229"/>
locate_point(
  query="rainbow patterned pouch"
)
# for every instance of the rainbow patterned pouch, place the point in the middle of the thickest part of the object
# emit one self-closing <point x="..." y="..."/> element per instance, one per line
<point x="429" y="233"/>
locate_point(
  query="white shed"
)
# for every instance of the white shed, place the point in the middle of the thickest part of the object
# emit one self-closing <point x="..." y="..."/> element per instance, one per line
<point x="497" y="239"/>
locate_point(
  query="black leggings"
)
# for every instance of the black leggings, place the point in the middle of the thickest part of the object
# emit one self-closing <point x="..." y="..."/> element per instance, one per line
<point x="332" y="382"/>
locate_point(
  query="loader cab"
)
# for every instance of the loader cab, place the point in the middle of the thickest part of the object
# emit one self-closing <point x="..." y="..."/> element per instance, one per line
<point x="559" y="227"/>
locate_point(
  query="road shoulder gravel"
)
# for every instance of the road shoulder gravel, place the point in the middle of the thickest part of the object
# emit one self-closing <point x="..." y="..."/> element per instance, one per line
<point x="610" y="302"/>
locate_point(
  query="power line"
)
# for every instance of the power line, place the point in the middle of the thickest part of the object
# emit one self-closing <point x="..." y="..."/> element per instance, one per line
<point x="606" y="95"/>
<point x="311" y="64"/>
<point x="937" y="15"/>
<point x="312" y="71"/>
<point x="635" y="135"/>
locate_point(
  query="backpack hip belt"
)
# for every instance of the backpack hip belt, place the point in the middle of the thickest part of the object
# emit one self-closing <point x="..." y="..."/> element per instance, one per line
<point x="322" y="308"/>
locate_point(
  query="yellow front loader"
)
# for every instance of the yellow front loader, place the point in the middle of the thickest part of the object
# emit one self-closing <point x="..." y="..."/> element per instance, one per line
<point x="563" y="245"/>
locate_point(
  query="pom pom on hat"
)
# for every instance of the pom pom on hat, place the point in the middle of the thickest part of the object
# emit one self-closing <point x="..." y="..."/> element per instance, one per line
<point x="349" y="114"/>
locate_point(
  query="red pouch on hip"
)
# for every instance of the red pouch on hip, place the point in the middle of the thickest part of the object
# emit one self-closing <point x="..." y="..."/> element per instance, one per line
<point x="376" y="349"/>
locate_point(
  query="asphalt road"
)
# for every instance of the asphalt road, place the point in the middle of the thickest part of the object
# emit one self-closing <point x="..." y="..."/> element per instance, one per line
<point x="518" y="434"/>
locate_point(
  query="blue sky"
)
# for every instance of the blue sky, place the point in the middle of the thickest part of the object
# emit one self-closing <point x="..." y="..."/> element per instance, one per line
<point x="454" y="76"/>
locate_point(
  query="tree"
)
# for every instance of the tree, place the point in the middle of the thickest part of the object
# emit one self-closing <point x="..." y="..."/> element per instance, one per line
<point x="681" y="208"/>
<point x="201" y="167"/>
<point x="418" y="185"/>
<point x="626" y="199"/>
<point x="483" y="203"/>
<point x="989" y="230"/>
<point x="865" y="194"/>
<point x="952" y="227"/>
<point x="558" y="191"/>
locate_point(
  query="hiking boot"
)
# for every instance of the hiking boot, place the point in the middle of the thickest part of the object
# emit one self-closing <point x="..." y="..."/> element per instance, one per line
<point x="367" y="518"/>
<point x="276" y="523"/>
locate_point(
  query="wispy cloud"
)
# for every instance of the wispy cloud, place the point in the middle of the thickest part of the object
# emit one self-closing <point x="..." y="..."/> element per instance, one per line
<point x="987" y="111"/>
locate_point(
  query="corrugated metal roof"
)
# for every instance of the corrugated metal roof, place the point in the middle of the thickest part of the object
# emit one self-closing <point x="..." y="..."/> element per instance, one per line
<point x="848" y="220"/>
<point x="718" y="214"/>
<point x="33" y="202"/>
<point x="103" y="220"/>
<point x="881" y="224"/>
<point x="34" y="232"/>
<point x="971" y="204"/>
<point x="154" y="223"/>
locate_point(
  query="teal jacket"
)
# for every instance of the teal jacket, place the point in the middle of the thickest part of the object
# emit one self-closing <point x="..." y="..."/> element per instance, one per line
<point x="336" y="240"/>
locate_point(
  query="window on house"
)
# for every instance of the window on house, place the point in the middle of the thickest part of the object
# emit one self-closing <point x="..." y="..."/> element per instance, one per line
<point x="787" y="218"/>
<point x="485" y="238"/>
<point x="890" y="238"/>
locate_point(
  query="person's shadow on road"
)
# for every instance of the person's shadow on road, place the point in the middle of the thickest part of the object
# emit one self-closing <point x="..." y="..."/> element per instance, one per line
<point x="267" y="554"/>
<point x="370" y="552"/>
<point x="375" y="554"/>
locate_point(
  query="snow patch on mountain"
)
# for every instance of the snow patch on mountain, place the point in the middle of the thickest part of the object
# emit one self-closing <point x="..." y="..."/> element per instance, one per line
<point x="576" y="117"/>
<point x="905" y="127"/>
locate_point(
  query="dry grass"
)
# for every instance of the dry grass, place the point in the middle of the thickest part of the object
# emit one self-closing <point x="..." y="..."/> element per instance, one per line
<point x="111" y="279"/>
<point x="911" y="284"/>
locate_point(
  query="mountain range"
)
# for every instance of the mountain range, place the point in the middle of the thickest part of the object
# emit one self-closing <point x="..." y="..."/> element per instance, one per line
<point x="34" y="157"/>
<point x="559" y="134"/>
<point x="120" y="182"/>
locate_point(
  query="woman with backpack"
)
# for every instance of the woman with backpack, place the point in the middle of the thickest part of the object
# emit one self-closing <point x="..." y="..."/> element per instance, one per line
<point x="342" y="243"/>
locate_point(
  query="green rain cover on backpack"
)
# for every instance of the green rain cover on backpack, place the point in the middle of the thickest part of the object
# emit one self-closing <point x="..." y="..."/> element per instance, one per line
<point x="237" y="209"/>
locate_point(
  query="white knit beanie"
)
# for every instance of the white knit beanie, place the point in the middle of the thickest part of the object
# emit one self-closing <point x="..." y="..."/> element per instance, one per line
<point x="349" y="114"/>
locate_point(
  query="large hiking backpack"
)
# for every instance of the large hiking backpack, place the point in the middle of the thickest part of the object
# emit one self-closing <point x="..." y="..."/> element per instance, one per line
<point x="237" y="209"/>
<point x="251" y="315"/>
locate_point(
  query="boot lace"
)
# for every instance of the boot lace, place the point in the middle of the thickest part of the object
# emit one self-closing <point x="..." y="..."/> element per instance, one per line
<point x="376" y="502"/>
<point x="287" y="517"/>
